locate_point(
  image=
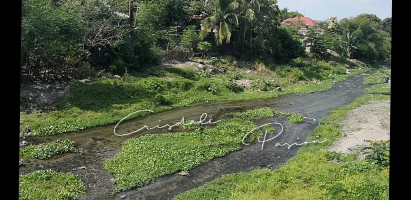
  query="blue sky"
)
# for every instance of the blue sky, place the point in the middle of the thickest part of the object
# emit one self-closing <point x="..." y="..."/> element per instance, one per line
<point x="324" y="9"/>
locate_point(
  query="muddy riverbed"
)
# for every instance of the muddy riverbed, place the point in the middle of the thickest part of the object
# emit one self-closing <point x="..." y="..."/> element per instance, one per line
<point x="94" y="145"/>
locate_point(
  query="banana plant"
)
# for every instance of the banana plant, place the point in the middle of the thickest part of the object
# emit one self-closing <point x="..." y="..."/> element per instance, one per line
<point x="349" y="41"/>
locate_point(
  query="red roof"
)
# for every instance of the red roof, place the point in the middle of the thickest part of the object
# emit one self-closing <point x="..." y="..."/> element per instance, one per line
<point x="305" y="20"/>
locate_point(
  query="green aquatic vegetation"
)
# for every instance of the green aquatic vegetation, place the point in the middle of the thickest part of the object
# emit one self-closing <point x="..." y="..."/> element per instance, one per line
<point x="48" y="184"/>
<point x="143" y="159"/>
<point x="47" y="150"/>
<point x="291" y="117"/>
<point x="311" y="174"/>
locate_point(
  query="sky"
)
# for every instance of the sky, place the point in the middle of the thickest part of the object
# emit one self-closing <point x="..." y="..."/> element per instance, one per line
<point x="324" y="9"/>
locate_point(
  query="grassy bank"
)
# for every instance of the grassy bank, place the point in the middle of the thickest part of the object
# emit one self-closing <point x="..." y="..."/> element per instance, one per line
<point x="106" y="101"/>
<point x="314" y="173"/>
<point x="380" y="81"/>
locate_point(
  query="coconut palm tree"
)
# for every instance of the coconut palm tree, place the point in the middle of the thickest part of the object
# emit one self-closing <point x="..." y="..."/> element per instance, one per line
<point x="222" y="16"/>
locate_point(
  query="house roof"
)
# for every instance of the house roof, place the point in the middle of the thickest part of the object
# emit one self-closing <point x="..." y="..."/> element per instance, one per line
<point x="305" y="20"/>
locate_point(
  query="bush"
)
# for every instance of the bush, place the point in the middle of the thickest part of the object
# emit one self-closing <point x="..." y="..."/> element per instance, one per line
<point x="264" y="85"/>
<point x="205" y="47"/>
<point x="236" y="76"/>
<point x="380" y="153"/>
<point x="160" y="100"/>
<point x="234" y="87"/>
<point x="209" y="86"/>
<point x="188" y="74"/>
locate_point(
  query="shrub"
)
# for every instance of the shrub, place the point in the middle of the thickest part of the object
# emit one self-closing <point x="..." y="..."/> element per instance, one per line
<point x="264" y="85"/>
<point x="234" y="87"/>
<point x="205" y="47"/>
<point x="380" y="152"/>
<point x="160" y="100"/>
<point x="209" y="86"/>
<point x="236" y="76"/>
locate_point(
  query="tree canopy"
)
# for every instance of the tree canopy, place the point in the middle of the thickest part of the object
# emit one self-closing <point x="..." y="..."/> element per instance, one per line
<point x="64" y="39"/>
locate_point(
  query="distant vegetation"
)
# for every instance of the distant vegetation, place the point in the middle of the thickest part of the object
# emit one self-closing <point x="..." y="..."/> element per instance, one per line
<point x="62" y="40"/>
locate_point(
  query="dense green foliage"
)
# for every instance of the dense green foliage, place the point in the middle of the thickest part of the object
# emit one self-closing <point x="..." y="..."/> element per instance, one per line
<point x="66" y="39"/>
<point x="51" y="39"/>
<point x="48" y="184"/>
<point x="143" y="159"/>
<point x="312" y="174"/>
<point x="47" y="150"/>
<point x="364" y="37"/>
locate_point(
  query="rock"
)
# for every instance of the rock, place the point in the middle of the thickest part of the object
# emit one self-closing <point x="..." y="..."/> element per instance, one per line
<point x="244" y="83"/>
<point x="86" y="80"/>
<point x="27" y="129"/>
<point x="235" y="63"/>
<point x="333" y="53"/>
<point x="279" y="89"/>
<point x="386" y="79"/>
<point x="184" y="173"/>
<point x="23" y="143"/>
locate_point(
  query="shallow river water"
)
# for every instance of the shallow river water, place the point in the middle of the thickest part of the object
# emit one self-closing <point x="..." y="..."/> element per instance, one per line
<point x="94" y="145"/>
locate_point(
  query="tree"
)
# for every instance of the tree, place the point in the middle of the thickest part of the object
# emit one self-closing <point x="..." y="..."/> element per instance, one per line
<point x="189" y="38"/>
<point x="51" y="39"/>
<point x="222" y="16"/>
<point x="285" y="14"/>
<point x="360" y="37"/>
<point x="386" y="25"/>
<point x="316" y="42"/>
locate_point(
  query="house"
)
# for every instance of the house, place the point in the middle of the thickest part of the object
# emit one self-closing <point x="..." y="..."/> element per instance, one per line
<point x="302" y="24"/>
<point x="299" y="21"/>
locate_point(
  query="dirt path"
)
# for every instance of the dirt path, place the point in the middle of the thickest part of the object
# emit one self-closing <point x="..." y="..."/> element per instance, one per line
<point x="368" y="122"/>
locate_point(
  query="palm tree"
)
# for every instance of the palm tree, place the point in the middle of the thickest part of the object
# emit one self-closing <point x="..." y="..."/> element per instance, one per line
<point x="249" y="9"/>
<point x="220" y="20"/>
